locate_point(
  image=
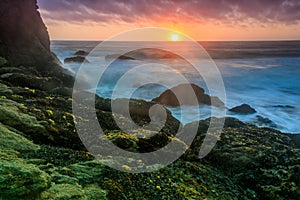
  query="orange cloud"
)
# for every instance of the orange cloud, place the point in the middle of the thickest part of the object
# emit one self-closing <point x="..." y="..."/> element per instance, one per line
<point x="202" y="20"/>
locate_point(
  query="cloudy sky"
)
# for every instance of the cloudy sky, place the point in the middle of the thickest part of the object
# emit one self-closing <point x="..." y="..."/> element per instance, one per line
<point x="200" y="19"/>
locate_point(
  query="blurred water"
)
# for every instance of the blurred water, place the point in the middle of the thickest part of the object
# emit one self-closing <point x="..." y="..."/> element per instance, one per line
<point x="265" y="75"/>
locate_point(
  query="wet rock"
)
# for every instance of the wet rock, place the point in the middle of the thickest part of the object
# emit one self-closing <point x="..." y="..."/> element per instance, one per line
<point x="81" y="53"/>
<point x="185" y="94"/>
<point x="152" y="53"/>
<point x="118" y="56"/>
<point x="76" y="59"/>
<point x="284" y="106"/>
<point x="243" y="109"/>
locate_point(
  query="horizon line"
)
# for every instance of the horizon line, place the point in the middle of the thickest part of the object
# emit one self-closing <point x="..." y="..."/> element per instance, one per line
<point x="88" y="40"/>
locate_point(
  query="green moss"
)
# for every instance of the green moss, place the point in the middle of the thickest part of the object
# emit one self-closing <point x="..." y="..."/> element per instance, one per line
<point x="11" y="114"/>
<point x="94" y="192"/>
<point x="63" y="191"/>
<point x="122" y="140"/>
<point x="10" y="140"/>
<point x="19" y="179"/>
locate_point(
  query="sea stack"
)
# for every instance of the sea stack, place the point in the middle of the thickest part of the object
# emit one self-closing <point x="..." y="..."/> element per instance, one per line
<point x="24" y="39"/>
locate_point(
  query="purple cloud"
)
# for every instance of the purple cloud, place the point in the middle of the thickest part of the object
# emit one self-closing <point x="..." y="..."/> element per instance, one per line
<point x="137" y="11"/>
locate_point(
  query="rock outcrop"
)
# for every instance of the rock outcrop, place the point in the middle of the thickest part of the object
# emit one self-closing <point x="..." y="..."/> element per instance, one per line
<point x="81" y="53"/>
<point x="118" y="56"/>
<point x="152" y="53"/>
<point x="24" y="37"/>
<point x="144" y="54"/>
<point x="76" y="59"/>
<point x="243" y="109"/>
<point x="24" y="40"/>
<point x="185" y="94"/>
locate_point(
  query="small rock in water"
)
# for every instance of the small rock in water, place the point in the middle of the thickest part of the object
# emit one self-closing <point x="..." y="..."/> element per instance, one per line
<point x="118" y="56"/>
<point x="76" y="59"/>
<point x="263" y="121"/>
<point x="243" y="109"/>
<point x="81" y="53"/>
<point x="283" y="106"/>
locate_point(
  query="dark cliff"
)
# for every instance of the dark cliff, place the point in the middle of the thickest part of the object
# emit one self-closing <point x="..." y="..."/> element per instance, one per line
<point x="24" y="39"/>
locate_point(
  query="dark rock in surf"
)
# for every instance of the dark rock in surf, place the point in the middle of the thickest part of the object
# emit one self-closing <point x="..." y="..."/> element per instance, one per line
<point x="183" y="95"/>
<point x="76" y="59"/>
<point x="243" y="109"/>
<point x="284" y="106"/>
<point x="118" y="56"/>
<point x="152" y="53"/>
<point x="81" y="53"/>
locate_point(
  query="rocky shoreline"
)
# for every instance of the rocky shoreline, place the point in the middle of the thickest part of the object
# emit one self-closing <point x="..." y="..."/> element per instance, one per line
<point x="42" y="157"/>
<point x="40" y="149"/>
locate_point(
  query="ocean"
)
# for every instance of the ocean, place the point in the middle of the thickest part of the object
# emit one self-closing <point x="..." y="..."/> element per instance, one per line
<point x="265" y="75"/>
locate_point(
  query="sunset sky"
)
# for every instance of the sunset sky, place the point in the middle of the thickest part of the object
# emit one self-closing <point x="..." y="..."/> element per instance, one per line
<point x="200" y="19"/>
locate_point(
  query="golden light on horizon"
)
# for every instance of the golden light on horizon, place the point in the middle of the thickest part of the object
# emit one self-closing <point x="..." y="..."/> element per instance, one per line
<point x="174" y="37"/>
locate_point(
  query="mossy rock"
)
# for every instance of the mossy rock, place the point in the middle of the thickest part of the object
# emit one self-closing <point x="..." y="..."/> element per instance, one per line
<point x="5" y="90"/>
<point x="74" y="192"/>
<point x="94" y="192"/>
<point x="21" y="180"/>
<point x="11" y="114"/>
<point x="11" y="141"/>
<point x="85" y="172"/>
<point x="122" y="140"/>
<point x="63" y="192"/>
<point x="32" y="81"/>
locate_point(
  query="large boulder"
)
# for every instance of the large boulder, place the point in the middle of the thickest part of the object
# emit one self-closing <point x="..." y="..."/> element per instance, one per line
<point x="185" y="93"/>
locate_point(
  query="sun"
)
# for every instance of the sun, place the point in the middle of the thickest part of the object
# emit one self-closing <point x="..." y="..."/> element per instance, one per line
<point x="174" y="37"/>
